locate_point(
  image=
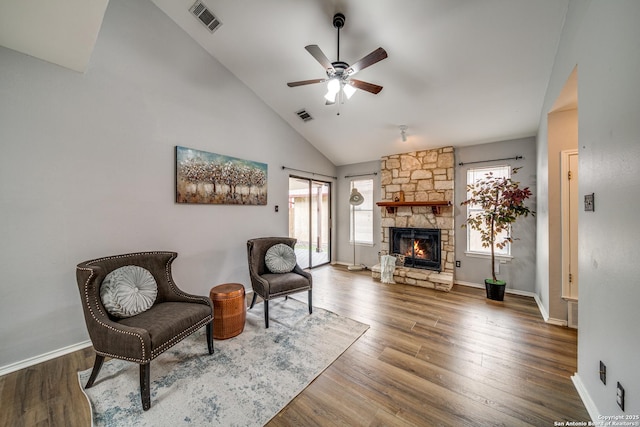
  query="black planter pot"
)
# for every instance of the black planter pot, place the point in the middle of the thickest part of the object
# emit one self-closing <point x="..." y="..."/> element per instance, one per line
<point x="495" y="290"/>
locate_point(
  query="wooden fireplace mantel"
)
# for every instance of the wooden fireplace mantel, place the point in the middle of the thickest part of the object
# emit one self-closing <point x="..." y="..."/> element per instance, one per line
<point x="435" y="205"/>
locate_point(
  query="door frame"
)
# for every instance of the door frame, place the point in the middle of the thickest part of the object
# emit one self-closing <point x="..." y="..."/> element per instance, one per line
<point x="327" y="223"/>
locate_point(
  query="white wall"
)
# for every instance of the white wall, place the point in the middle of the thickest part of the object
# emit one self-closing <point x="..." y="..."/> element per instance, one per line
<point x="367" y="255"/>
<point x="87" y="170"/>
<point x="519" y="272"/>
<point x="601" y="38"/>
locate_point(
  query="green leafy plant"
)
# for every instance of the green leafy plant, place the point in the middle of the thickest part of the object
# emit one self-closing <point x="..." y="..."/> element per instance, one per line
<point x="502" y="202"/>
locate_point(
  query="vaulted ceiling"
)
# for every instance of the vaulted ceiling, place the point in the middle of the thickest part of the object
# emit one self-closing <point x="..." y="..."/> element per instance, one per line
<point x="458" y="72"/>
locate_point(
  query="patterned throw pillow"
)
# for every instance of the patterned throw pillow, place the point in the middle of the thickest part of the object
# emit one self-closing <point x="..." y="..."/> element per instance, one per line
<point x="128" y="291"/>
<point x="280" y="258"/>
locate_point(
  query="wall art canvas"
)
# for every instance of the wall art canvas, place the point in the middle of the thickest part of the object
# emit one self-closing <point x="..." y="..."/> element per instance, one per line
<point x="209" y="178"/>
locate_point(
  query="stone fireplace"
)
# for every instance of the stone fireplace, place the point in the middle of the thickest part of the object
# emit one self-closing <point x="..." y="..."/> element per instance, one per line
<point x="417" y="193"/>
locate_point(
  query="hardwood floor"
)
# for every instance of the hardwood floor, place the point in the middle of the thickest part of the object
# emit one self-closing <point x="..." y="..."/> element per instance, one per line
<point x="47" y="394"/>
<point x="429" y="358"/>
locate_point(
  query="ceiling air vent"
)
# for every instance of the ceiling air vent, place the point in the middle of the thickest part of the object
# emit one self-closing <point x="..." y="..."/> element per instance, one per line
<point x="304" y="115"/>
<point x="207" y="18"/>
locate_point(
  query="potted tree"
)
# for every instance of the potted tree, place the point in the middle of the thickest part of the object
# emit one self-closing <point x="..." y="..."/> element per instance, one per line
<point x="502" y="202"/>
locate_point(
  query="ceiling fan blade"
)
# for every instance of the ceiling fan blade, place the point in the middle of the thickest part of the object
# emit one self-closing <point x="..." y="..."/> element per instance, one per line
<point x="377" y="55"/>
<point x="305" y="82"/>
<point x="315" y="51"/>
<point x="369" y="87"/>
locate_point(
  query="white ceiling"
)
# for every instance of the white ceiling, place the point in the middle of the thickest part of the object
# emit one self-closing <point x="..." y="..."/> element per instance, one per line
<point x="459" y="72"/>
<point x="62" y="32"/>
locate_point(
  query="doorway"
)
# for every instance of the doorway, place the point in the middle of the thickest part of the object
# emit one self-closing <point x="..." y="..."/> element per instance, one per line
<point x="310" y="220"/>
<point x="562" y="158"/>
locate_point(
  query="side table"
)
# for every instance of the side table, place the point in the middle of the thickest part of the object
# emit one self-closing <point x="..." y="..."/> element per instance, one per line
<point x="229" y="310"/>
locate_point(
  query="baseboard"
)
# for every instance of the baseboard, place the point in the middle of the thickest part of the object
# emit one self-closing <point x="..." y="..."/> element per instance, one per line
<point x="533" y="295"/>
<point x="545" y="314"/>
<point x="469" y="284"/>
<point x="508" y="291"/>
<point x="543" y="310"/>
<point x="557" y="322"/>
<point x="586" y="398"/>
<point x="4" y="370"/>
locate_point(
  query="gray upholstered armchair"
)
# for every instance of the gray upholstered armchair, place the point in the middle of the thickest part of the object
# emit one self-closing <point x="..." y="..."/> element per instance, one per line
<point x="271" y="285"/>
<point x="173" y="316"/>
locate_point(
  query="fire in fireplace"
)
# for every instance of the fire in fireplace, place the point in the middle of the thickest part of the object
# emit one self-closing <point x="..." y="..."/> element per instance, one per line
<point x="419" y="246"/>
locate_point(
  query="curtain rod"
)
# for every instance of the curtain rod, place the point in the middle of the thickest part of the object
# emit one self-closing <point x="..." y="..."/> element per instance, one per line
<point x="312" y="173"/>
<point x="494" y="160"/>
<point x="362" y="174"/>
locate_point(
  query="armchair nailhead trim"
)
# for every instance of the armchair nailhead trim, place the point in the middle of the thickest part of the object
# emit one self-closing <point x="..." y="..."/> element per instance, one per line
<point x="182" y="335"/>
<point x="158" y="351"/>
<point x="128" y="256"/>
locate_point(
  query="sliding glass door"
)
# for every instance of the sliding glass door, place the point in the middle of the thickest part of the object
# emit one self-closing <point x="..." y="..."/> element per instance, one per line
<point x="310" y="220"/>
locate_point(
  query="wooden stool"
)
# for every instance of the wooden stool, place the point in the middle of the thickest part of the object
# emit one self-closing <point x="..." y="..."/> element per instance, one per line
<point x="229" y="310"/>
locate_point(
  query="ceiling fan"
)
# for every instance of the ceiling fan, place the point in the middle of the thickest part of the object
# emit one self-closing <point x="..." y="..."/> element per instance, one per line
<point x="339" y="73"/>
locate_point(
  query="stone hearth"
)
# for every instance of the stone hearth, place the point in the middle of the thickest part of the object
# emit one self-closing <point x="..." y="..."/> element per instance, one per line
<point x="421" y="176"/>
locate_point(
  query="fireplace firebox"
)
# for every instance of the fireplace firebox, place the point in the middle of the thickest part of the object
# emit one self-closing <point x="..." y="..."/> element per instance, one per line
<point x="420" y="247"/>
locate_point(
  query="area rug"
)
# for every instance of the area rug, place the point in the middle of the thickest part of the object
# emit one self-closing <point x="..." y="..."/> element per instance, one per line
<point x="246" y="382"/>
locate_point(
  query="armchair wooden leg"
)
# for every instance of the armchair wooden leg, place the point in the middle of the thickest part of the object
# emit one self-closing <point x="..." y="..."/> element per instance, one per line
<point x="310" y="306"/>
<point x="145" y="385"/>
<point x="210" y="337"/>
<point x="253" y="300"/>
<point x="97" y="365"/>
<point x="266" y="314"/>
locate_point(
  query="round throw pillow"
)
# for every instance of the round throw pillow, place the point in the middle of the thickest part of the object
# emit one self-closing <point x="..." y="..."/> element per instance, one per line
<point x="128" y="291"/>
<point x="280" y="258"/>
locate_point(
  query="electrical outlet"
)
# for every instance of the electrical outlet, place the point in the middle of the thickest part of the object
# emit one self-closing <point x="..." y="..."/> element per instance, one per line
<point x="589" y="202"/>
<point x="620" y="396"/>
<point x="603" y="373"/>
<point x="457" y="263"/>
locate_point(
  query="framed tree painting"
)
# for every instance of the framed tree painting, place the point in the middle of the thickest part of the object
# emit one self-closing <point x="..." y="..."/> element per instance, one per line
<point x="209" y="178"/>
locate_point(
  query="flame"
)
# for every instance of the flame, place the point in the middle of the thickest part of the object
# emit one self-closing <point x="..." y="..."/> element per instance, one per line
<point x="417" y="252"/>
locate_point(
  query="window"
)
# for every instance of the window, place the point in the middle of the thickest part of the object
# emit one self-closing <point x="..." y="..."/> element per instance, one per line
<point x="474" y="243"/>
<point x="362" y="214"/>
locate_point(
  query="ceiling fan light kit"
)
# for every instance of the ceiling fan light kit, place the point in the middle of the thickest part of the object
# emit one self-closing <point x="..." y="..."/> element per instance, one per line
<point x="339" y="73"/>
<point x="348" y="90"/>
<point x="333" y="87"/>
